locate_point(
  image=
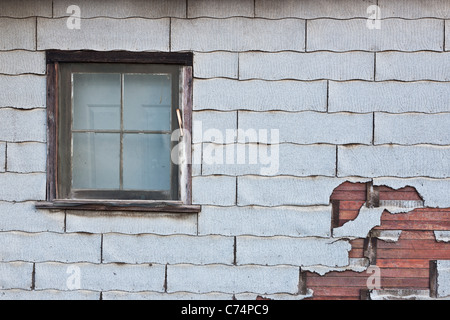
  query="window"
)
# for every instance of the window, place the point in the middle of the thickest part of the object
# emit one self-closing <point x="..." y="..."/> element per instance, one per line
<point x="118" y="131"/>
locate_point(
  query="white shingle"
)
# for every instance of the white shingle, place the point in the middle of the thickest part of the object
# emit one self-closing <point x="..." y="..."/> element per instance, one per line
<point x="413" y="66"/>
<point x="100" y="277"/>
<point x="45" y="295"/>
<point x="414" y="9"/>
<point x="279" y="191"/>
<point x="17" y="33"/>
<point x="447" y="35"/>
<point x="27" y="157"/>
<point x="196" y="153"/>
<point x="238" y="34"/>
<point x="308" y="127"/>
<point x="20" y="62"/>
<point x="22" y="187"/>
<point x="261" y="221"/>
<point x="394" y="161"/>
<point x="269" y="160"/>
<point x="15" y="275"/>
<point x="23" y="125"/>
<point x="292" y="251"/>
<point x="220" y="8"/>
<point x="393" y="97"/>
<point x="311" y="9"/>
<point x="232" y="279"/>
<point x="214" y="190"/>
<point x="26" y="8"/>
<point x="48" y="246"/>
<point x="2" y="156"/>
<point x="212" y="126"/>
<point x="306" y="66"/>
<point x="259" y="95"/>
<point x="216" y="65"/>
<point x="24" y="91"/>
<point x="412" y="128"/>
<point x="103" y="34"/>
<point x="395" y="34"/>
<point x="443" y="278"/>
<point x="122" y="9"/>
<point x="146" y="296"/>
<point x="122" y="222"/>
<point x="23" y="216"/>
<point x="167" y="249"/>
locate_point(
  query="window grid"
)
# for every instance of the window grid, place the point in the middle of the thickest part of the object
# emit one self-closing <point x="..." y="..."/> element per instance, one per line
<point x="122" y="130"/>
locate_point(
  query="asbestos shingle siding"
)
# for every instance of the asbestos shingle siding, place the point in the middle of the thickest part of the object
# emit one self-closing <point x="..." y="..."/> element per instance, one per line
<point x="347" y="101"/>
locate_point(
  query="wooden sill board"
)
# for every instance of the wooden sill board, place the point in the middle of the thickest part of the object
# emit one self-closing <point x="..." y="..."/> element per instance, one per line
<point x="104" y="205"/>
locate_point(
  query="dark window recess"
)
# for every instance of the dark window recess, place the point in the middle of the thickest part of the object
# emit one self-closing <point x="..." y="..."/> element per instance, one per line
<point x="114" y="139"/>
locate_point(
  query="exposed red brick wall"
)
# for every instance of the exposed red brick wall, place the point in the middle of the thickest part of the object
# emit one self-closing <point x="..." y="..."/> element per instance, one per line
<point x="404" y="264"/>
<point x="348" y="198"/>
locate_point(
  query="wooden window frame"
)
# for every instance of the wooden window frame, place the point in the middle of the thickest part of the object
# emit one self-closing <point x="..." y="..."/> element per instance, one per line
<point x="66" y="130"/>
<point x="53" y="200"/>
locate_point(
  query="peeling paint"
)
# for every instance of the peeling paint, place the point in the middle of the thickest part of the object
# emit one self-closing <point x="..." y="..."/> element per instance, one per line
<point x="443" y="278"/>
<point x="442" y="236"/>
<point x="401" y="206"/>
<point x="368" y="218"/>
<point x="356" y="265"/>
<point x="434" y="192"/>
<point x="398" y="210"/>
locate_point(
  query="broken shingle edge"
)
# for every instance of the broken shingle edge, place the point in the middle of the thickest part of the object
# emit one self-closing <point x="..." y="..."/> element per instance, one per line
<point x="367" y="219"/>
<point x="434" y="192"/>
<point x="442" y="236"/>
<point x="355" y="264"/>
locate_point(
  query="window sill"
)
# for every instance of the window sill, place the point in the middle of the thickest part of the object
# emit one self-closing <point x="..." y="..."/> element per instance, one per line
<point x="119" y="205"/>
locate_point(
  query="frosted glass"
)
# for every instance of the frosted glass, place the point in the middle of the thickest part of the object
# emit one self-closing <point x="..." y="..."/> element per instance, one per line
<point x="96" y="101"/>
<point x="147" y="102"/>
<point x="96" y="161"/>
<point x="146" y="162"/>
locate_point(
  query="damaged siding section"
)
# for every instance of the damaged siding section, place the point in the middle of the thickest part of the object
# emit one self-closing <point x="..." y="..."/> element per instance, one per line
<point x="356" y="176"/>
<point x="399" y="245"/>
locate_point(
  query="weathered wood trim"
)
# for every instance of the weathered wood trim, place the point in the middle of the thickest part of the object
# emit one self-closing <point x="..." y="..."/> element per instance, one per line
<point x="364" y="294"/>
<point x="302" y="283"/>
<point x="370" y="250"/>
<point x="433" y="279"/>
<point x="88" y="56"/>
<point x="334" y="214"/>
<point x="373" y="196"/>
<point x="138" y="206"/>
<point x="185" y="181"/>
<point x="52" y="129"/>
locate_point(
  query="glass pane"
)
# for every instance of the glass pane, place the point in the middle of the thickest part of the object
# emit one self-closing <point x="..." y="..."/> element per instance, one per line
<point x="147" y="102"/>
<point x="146" y="161"/>
<point x="96" y="101"/>
<point x="96" y="161"/>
